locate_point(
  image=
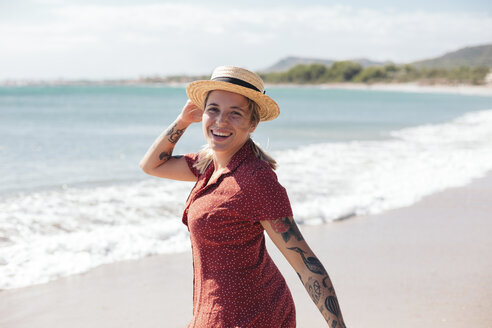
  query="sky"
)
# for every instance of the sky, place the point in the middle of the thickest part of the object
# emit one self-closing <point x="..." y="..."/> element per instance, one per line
<point x="111" y="39"/>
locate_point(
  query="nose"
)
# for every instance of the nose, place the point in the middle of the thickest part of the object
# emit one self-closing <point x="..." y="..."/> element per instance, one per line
<point x="222" y="118"/>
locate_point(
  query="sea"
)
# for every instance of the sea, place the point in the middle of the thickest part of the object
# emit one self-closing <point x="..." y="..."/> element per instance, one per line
<point x="72" y="195"/>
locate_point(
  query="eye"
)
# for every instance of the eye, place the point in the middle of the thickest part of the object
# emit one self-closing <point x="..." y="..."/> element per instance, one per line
<point x="236" y="113"/>
<point x="212" y="109"/>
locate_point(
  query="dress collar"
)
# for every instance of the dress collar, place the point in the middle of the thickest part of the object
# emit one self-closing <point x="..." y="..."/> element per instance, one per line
<point x="240" y="156"/>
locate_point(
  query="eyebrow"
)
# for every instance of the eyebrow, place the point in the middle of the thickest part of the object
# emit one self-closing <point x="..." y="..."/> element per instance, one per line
<point x="234" y="107"/>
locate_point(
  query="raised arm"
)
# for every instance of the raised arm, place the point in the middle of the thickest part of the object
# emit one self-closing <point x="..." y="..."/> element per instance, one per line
<point x="286" y="236"/>
<point x="158" y="161"/>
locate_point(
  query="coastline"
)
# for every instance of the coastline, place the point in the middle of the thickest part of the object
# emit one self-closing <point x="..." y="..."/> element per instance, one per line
<point x="425" y="264"/>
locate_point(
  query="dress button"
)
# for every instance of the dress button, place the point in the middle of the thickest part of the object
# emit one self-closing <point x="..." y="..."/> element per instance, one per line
<point x="186" y="211"/>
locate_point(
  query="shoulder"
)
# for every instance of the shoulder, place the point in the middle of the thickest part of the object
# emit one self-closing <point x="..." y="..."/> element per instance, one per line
<point x="191" y="160"/>
<point x="254" y="168"/>
<point x="256" y="176"/>
<point x="260" y="188"/>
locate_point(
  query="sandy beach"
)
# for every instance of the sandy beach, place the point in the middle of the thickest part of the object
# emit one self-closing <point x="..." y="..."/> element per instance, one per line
<point x="424" y="265"/>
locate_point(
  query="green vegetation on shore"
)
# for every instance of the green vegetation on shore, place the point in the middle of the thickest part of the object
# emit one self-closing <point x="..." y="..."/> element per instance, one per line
<point x="348" y="71"/>
<point x="469" y="56"/>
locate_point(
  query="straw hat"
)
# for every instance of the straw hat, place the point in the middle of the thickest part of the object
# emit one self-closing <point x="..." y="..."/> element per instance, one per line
<point x="238" y="80"/>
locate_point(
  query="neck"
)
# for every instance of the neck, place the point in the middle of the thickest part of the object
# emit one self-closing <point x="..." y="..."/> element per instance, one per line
<point x="222" y="159"/>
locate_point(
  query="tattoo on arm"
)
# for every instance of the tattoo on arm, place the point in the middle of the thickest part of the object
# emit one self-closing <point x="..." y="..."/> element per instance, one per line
<point x="324" y="283"/>
<point x="300" y="278"/>
<point x="287" y="227"/>
<point x="329" y="308"/>
<point x="314" y="289"/>
<point x="331" y="304"/>
<point x="166" y="156"/>
<point x="312" y="263"/>
<point x="174" y="134"/>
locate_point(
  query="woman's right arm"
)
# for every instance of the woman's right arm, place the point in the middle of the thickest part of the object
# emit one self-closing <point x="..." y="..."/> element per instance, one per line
<point x="158" y="161"/>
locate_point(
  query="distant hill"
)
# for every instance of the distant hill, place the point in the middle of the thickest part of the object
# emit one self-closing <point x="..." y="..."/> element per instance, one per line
<point x="469" y="56"/>
<point x="289" y="62"/>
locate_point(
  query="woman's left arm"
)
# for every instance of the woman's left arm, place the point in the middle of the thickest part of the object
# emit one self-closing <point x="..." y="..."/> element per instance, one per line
<point x="286" y="236"/>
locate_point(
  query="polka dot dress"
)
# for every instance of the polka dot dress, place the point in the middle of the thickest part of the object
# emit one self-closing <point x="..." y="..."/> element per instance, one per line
<point x="236" y="283"/>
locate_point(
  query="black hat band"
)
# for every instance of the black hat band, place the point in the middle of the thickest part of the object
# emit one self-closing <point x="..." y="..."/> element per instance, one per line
<point x="235" y="81"/>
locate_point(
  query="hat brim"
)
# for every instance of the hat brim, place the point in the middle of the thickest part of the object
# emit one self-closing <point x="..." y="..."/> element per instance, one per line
<point x="198" y="90"/>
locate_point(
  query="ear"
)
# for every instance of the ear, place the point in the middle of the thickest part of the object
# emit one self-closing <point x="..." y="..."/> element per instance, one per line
<point x="252" y="128"/>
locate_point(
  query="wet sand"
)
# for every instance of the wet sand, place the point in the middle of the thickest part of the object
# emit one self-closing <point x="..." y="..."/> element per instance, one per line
<point x="424" y="265"/>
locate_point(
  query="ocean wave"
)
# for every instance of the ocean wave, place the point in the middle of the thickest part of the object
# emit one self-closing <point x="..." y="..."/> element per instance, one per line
<point x="51" y="234"/>
<point x="333" y="181"/>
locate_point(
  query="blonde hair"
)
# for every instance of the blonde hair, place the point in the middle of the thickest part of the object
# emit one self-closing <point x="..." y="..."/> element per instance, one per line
<point x="206" y="155"/>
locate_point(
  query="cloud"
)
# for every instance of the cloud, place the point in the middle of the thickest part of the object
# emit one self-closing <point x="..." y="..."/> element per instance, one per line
<point x="175" y="38"/>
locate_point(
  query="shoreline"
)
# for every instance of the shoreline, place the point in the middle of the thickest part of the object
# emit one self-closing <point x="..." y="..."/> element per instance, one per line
<point x="425" y="264"/>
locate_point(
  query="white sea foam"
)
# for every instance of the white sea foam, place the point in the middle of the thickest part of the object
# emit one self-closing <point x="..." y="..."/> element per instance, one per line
<point x="337" y="180"/>
<point x="50" y="234"/>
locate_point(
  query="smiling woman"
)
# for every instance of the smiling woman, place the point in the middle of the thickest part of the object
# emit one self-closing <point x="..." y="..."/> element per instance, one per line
<point x="227" y="122"/>
<point x="235" y="199"/>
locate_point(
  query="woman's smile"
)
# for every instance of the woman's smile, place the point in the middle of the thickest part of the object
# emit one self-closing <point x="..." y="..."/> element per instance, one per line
<point x="220" y="134"/>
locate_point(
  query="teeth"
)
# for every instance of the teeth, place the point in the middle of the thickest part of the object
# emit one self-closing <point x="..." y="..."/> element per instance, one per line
<point x="220" y="134"/>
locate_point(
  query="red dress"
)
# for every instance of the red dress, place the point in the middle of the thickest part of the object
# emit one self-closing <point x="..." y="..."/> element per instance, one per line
<point x="236" y="283"/>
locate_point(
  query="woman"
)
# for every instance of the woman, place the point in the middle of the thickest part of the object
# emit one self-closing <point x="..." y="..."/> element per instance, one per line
<point x="237" y="197"/>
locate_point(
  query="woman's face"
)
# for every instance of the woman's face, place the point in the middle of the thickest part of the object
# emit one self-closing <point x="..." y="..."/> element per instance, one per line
<point x="227" y="121"/>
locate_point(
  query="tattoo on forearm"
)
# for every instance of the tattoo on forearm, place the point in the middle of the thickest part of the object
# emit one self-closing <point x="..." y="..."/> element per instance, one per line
<point x="312" y="263"/>
<point x="324" y="283"/>
<point x="331" y="303"/>
<point x="314" y="289"/>
<point x="300" y="277"/>
<point x="287" y="228"/>
<point x="174" y="134"/>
